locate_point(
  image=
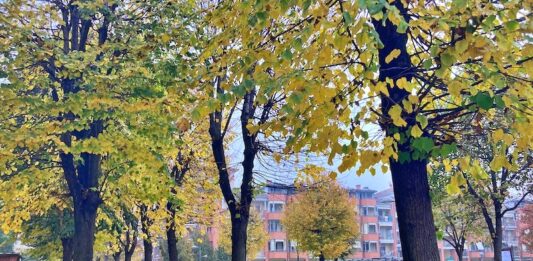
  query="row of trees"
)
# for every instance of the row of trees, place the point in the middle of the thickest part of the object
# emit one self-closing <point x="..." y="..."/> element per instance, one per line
<point x="99" y="97"/>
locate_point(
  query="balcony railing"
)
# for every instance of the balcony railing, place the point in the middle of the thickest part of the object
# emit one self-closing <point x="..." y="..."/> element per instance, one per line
<point x="385" y="219"/>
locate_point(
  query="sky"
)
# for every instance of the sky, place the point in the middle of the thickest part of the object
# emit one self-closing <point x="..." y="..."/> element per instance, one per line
<point x="284" y="172"/>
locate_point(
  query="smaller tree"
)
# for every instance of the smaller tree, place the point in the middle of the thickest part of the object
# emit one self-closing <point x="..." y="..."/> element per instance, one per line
<point x="257" y="235"/>
<point x="458" y="217"/>
<point x="322" y="220"/>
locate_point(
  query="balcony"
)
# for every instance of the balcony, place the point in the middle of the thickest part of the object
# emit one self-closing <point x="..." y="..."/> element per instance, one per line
<point x="385" y="220"/>
<point x="385" y="237"/>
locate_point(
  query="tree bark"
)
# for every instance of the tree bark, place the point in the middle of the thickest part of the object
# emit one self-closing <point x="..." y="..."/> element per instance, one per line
<point x="411" y="188"/>
<point x="145" y="227"/>
<point x="413" y="206"/>
<point x="68" y="251"/>
<point x="497" y="239"/>
<point x="171" y="236"/>
<point x="459" y="252"/>
<point x="131" y="243"/>
<point x="239" y="236"/>
<point x="148" y="249"/>
<point x="116" y="256"/>
<point x="239" y="210"/>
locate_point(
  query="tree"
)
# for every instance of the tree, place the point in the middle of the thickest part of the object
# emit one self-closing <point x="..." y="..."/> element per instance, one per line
<point x="87" y="93"/>
<point x="6" y="243"/>
<point x="379" y="82"/>
<point x="257" y="236"/>
<point x="458" y="217"/>
<point x="499" y="173"/>
<point x="322" y="220"/>
<point x="526" y="232"/>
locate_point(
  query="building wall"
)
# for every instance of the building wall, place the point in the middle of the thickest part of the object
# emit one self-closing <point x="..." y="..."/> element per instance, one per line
<point x="376" y="216"/>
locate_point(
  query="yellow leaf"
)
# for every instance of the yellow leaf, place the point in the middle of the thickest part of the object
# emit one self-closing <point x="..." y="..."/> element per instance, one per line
<point x="455" y="88"/>
<point x="395" y="113"/>
<point x="396" y="136"/>
<point x="416" y="132"/>
<point x="382" y="87"/>
<point x="402" y="83"/>
<point x="165" y="38"/>
<point x="333" y="175"/>
<point x="392" y="55"/>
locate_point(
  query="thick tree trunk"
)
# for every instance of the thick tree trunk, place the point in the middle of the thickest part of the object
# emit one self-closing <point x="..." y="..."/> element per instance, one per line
<point x="148" y="249"/>
<point x="145" y="227"/>
<point x="85" y="229"/>
<point x="68" y="251"/>
<point x="239" y="236"/>
<point x="413" y="206"/>
<point x="411" y="188"/>
<point x="171" y="236"/>
<point x="497" y="240"/>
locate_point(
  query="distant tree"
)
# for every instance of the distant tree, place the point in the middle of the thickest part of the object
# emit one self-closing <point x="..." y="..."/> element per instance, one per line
<point x="6" y="243"/>
<point x="493" y="167"/>
<point x="458" y="218"/>
<point x="322" y="220"/>
<point x="257" y="235"/>
<point x="526" y="233"/>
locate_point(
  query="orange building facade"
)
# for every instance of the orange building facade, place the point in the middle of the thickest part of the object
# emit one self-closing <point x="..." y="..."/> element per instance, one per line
<point x="379" y="237"/>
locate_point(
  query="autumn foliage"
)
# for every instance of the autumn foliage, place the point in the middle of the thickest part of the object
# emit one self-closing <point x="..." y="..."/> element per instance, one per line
<point x="322" y="220"/>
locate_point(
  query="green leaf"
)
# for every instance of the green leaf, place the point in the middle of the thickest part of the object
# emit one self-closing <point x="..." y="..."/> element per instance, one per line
<point x="512" y="25"/>
<point x="404" y="157"/>
<point x="423" y="144"/>
<point x="402" y="27"/>
<point x="287" y="54"/>
<point x="427" y="64"/>
<point x="423" y="120"/>
<point x="252" y="20"/>
<point x="483" y="100"/>
<point x="347" y="18"/>
<point x="447" y="60"/>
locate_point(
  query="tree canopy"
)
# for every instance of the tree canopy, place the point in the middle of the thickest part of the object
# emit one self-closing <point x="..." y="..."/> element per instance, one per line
<point x="322" y="220"/>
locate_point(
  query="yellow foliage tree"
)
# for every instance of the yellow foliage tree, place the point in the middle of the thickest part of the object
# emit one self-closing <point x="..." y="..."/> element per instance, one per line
<point x="322" y="220"/>
<point x="257" y="235"/>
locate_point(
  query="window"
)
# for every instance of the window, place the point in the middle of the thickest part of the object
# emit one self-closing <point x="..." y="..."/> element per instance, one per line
<point x="385" y="233"/>
<point x="277" y="245"/>
<point x="367" y="211"/>
<point x="369" y="229"/>
<point x="274" y="226"/>
<point x="275" y="206"/>
<point x="370" y="246"/>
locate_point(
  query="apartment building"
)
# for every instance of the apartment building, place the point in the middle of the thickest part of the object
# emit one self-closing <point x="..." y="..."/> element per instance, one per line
<point x="379" y="237"/>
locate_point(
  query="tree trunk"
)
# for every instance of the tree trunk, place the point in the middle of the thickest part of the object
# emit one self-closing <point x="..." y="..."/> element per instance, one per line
<point x="145" y="227"/>
<point x="239" y="236"/>
<point x="497" y="240"/>
<point x="68" y="251"/>
<point x="148" y="249"/>
<point x="411" y="188"/>
<point x="116" y="256"/>
<point x="171" y="236"/>
<point x="459" y="252"/>
<point x="413" y="206"/>
<point x="84" y="230"/>
<point x="128" y="255"/>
